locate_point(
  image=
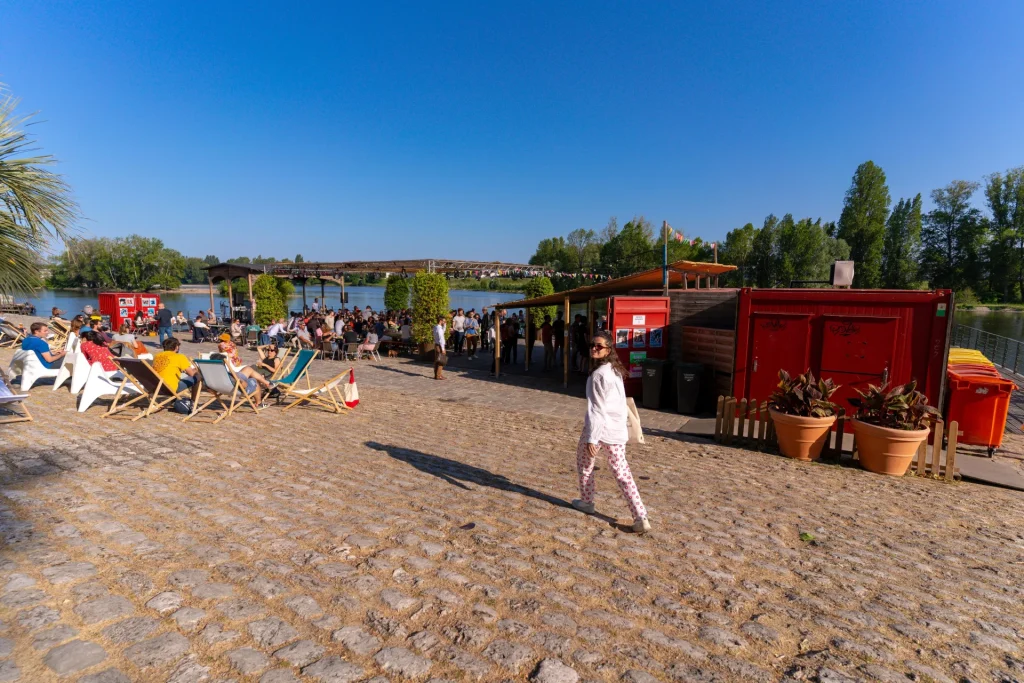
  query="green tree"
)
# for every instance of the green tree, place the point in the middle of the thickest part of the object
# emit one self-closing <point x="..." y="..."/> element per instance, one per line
<point x="270" y="304"/>
<point x="764" y="259"/>
<point x="1005" y="196"/>
<point x="952" y="236"/>
<point x="36" y="206"/>
<point x="902" y="245"/>
<point x="582" y="250"/>
<point x="396" y="293"/>
<point x="540" y="286"/>
<point x="737" y="250"/>
<point x="862" y="223"/>
<point x="299" y="259"/>
<point x="630" y="250"/>
<point x="553" y="253"/>
<point x="429" y="302"/>
<point x="132" y="263"/>
<point x="193" y="274"/>
<point x="211" y="260"/>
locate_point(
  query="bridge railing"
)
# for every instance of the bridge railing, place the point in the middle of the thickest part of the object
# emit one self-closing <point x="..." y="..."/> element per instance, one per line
<point x="1005" y="352"/>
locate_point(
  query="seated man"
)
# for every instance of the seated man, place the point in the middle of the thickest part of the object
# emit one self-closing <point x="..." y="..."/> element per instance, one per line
<point x="302" y="334"/>
<point x="276" y="332"/>
<point x="36" y="342"/>
<point x="169" y="364"/>
<point x="200" y="329"/>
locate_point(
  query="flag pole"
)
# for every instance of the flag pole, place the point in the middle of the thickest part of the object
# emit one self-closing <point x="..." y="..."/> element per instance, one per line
<point x="664" y="259"/>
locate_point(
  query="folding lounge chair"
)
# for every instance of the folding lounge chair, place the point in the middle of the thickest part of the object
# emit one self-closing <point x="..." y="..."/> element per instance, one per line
<point x="8" y="399"/>
<point x="328" y="395"/>
<point x="228" y="392"/>
<point x="154" y="395"/>
<point x="100" y="384"/>
<point x="10" y="335"/>
<point x="298" y="371"/>
<point x="28" y="365"/>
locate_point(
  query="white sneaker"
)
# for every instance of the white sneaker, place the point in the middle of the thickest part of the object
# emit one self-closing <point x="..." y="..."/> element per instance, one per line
<point x="641" y="526"/>
<point x="583" y="506"/>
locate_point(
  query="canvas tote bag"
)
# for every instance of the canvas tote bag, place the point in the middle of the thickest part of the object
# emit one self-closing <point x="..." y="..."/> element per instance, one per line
<point x="633" y="427"/>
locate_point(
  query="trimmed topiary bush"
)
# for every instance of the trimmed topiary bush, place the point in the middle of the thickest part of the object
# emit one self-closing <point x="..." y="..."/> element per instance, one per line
<point x="396" y="293"/>
<point x="429" y="301"/>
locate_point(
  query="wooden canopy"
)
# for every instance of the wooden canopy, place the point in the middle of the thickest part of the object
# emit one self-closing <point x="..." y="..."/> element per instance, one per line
<point x="231" y="271"/>
<point x="680" y="274"/>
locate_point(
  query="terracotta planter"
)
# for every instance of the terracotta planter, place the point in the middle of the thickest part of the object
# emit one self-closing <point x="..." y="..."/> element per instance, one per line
<point x="887" y="451"/>
<point x="801" y="438"/>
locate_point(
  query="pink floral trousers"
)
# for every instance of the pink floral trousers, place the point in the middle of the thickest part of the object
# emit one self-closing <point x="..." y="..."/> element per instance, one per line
<point x="616" y="454"/>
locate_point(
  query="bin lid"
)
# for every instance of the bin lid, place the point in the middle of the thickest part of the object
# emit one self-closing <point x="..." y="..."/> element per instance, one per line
<point x="983" y="379"/>
<point x="656" y="361"/>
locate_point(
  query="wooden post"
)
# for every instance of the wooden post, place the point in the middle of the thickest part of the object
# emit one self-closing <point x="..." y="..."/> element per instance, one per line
<point x="496" y="324"/>
<point x="210" y="280"/>
<point x="304" y="296"/>
<point x="323" y="296"/>
<point x="954" y="434"/>
<point x="565" y="348"/>
<point x="936" y="447"/>
<point x="590" y="318"/>
<point x="686" y="284"/>
<point x="526" y="364"/>
<point x="730" y="419"/>
<point x="231" y="304"/>
<point x="840" y="429"/>
<point x="252" y="302"/>
<point x="719" y="416"/>
<point x="741" y="432"/>
<point x="342" y="302"/>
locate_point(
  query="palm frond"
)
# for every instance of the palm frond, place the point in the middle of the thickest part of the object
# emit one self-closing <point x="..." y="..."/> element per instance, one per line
<point x="36" y="205"/>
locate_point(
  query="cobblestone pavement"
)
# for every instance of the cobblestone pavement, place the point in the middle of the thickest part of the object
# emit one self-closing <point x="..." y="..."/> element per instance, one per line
<point x="427" y="536"/>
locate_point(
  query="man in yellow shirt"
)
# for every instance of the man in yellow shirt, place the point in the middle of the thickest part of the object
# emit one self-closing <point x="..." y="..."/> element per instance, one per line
<point x="169" y="364"/>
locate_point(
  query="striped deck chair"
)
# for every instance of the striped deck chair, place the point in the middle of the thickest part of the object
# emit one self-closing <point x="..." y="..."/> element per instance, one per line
<point x="228" y="392"/>
<point x="154" y="394"/>
<point x="8" y="398"/>
<point x="328" y="395"/>
<point x="10" y="336"/>
<point x="298" y="372"/>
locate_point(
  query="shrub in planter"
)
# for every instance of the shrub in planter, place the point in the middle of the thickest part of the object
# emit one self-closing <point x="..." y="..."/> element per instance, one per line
<point x="802" y="414"/>
<point x="890" y="426"/>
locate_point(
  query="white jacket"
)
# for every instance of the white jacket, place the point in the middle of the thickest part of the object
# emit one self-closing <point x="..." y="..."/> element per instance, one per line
<point x="606" y="408"/>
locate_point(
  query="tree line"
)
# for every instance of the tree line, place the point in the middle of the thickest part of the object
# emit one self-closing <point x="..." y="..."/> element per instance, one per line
<point x="955" y="245"/>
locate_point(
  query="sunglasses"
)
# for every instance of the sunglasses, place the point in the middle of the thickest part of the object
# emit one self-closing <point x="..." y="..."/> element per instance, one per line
<point x="599" y="346"/>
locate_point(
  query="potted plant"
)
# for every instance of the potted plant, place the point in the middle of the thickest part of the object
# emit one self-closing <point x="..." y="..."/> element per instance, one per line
<point x="802" y="414"/>
<point x="890" y="426"/>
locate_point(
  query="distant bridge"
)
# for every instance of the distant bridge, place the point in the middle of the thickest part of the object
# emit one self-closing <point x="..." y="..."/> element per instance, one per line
<point x="336" y="271"/>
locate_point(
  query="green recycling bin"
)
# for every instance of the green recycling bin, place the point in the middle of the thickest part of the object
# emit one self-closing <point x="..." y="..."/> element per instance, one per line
<point x="687" y="386"/>
<point x="654" y="376"/>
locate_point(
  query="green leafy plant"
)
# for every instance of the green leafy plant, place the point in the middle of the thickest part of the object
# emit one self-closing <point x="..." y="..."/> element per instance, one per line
<point x="903" y="407"/>
<point x="429" y="302"/>
<point x="803" y="395"/>
<point x="270" y="303"/>
<point x="396" y="293"/>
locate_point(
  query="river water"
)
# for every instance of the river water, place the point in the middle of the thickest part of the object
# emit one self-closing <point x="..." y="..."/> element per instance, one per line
<point x="1004" y="323"/>
<point x="194" y="300"/>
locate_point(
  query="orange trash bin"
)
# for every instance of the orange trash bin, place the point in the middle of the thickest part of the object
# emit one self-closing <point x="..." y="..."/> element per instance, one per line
<point x="979" y="403"/>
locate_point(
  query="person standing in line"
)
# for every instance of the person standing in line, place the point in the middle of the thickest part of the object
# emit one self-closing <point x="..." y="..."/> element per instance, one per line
<point x="472" y="335"/>
<point x="485" y="326"/>
<point x="547" y="338"/>
<point x="439" y="338"/>
<point x="604" y="429"/>
<point x="316" y="304"/>
<point x="459" y="331"/>
<point x="558" y="330"/>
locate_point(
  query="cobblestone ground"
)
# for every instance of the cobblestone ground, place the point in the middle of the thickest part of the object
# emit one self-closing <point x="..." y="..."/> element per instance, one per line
<point x="426" y="536"/>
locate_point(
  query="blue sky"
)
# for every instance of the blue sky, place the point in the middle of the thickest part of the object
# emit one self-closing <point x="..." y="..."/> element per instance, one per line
<point x="472" y="130"/>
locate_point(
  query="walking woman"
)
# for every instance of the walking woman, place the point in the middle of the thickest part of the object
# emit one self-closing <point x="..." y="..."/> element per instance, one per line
<point x="604" y="429"/>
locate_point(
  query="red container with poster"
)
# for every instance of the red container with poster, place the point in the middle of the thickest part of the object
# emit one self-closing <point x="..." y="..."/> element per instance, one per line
<point x="147" y="303"/>
<point x="120" y="306"/>
<point x="849" y="335"/>
<point x="639" y="325"/>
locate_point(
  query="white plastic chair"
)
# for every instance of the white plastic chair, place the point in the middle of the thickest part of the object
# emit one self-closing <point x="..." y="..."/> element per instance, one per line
<point x="26" y="364"/>
<point x="102" y="383"/>
<point x="75" y="367"/>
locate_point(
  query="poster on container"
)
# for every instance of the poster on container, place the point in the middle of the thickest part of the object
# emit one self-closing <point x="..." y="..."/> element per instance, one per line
<point x="636" y="363"/>
<point x="639" y="338"/>
<point x="654" y="341"/>
<point x="622" y="339"/>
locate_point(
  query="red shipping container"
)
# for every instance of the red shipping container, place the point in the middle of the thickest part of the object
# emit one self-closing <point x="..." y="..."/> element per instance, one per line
<point x="639" y="325"/>
<point x="979" y="403"/>
<point x="849" y="335"/>
<point x="120" y="306"/>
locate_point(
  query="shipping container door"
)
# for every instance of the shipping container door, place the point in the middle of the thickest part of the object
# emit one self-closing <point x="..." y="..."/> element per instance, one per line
<point x="781" y="341"/>
<point x="856" y="351"/>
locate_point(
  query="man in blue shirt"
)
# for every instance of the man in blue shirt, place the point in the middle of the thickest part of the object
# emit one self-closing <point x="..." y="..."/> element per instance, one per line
<point x="36" y="341"/>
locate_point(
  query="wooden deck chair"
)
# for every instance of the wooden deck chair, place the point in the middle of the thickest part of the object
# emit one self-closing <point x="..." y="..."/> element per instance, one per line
<point x="154" y="394"/>
<point x="328" y="395"/>
<point x="8" y="399"/>
<point x="228" y="392"/>
<point x="60" y="329"/>
<point x="298" y="372"/>
<point x="10" y="336"/>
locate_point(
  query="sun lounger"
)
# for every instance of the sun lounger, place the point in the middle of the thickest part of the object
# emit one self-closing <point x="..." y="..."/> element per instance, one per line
<point x="328" y="395"/>
<point x="102" y="383"/>
<point x="30" y="368"/>
<point x="8" y="399"/>
<point x="154" y="394"/>
<point x="297" y="373"/>
<point x="10" y="336"/>
<point x="216" y="378"/>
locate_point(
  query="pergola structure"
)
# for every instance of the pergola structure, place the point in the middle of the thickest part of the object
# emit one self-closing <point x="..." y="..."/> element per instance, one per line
<point x="229" y="272"/>
<point x="681" y="275"/>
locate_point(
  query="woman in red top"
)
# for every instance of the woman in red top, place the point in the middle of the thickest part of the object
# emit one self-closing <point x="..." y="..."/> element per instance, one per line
<point x="95" y="351"/>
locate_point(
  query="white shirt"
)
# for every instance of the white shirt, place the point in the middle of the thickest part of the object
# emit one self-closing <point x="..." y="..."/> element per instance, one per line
<point x="275" y="329"/>
<point x="315" y="306"/>
<point x="406" y="332"/>
<point x="439" y="336"/>
<point x="459" y="323"/>
<point x="339" y="326"/>
<point x="606" y="407"/>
